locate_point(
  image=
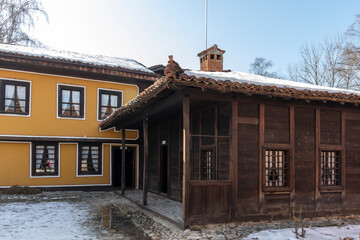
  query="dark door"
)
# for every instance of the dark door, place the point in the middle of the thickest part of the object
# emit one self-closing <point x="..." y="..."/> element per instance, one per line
<point x="164" y="168"/>
<point x="129" y="166"/>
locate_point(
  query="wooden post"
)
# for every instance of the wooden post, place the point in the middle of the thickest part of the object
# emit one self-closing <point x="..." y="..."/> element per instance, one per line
<point x="317" y="158"/>
<point x="292" y="160"/>
<point x="234" y="156"/>
<point x="261" y="143"/>
<point x="123" y="162"/>
<point x="186" y="158"/>
<point x="343" y="122"/>
<point x="146" y="156"/>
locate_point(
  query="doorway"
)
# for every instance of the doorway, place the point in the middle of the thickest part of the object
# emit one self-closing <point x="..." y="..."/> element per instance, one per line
<point x="164" y="169"/>
<point x="116" y="158"/>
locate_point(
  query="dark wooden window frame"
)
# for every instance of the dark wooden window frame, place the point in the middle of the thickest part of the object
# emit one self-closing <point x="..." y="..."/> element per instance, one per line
<point x="290" y="176"/>
<point x="62" y="87"/>
<point x="213" y="147"/>
<point x="33" y="159"/>
<point x="118" y="93"/>
<point x="340" y="151"/>
<point x="25" y="84"/>
<point x="100" y="160"/>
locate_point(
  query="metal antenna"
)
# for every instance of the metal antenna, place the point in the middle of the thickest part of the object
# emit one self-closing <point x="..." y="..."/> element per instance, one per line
<point x="205" y="24"/>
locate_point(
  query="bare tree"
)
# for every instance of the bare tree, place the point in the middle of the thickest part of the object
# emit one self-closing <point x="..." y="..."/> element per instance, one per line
<point x="310" y="68"/>
<point x="261" y="66"/>
<point x="16" y="18"/>
<point x="349" y="67"/>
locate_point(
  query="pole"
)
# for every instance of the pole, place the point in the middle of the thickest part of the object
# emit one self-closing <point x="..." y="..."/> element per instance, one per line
<point x="205" y="24"/>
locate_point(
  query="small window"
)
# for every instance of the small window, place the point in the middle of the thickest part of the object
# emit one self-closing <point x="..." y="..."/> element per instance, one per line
<point x="45" y="159"/>
<point x="276" y="168"/>
<point x="71" y="102"/>
<point x="109" y="101"/>
<point x="330" y="168"/>
<point x="211" y="56"/>
<point x="89" y="162"/>
<point x="14" y="97"/>
<point x="208" y="164"/>
<point x="218" y="57"/>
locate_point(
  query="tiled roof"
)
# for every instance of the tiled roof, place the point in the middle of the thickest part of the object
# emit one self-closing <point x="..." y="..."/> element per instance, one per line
<point x="189" y="79"/>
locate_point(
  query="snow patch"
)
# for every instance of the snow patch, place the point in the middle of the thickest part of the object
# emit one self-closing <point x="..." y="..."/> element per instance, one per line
<point x="98" y="60"/>
<point x="265" y="81"/>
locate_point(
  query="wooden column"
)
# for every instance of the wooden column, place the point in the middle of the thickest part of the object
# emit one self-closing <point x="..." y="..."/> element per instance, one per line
<point x="292" y="160"/>
<point x="261" y="143"/>
<point x="343" y="122"/>
<point x="146" y="156"/>
<point x="317" y="158"/>
<point x="123" y="162"/>
<point x="234" y="156"/>
<point x="186" y="158"/>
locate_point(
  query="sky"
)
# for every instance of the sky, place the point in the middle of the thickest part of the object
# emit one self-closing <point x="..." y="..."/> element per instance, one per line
<point x="151" y="30"/>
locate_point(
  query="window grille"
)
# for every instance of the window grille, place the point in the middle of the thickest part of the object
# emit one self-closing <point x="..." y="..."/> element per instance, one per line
<point x="330" y="168"/>
<point x="208" y="164"/>
<point x="90" y="159"/>
<point x="276" y="168"/>
<point x="45" y="159"/>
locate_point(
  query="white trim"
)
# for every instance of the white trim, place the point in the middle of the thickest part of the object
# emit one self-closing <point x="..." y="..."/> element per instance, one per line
<point x="57" y="101"/>
<point x="69" y="77"/>
<point x="58" y="162"/>
<point x="30" y="85"/>
<point x="90" y="175"/>
<point x="71" y="137"/>
<point x="137" y="159"/>
<point x="98" y="100"/>
<point x="81" y="185"/>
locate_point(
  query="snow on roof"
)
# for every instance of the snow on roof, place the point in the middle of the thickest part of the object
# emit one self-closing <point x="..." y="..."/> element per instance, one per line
<point x="265" y="81"/>
<point x="98" y="60"/>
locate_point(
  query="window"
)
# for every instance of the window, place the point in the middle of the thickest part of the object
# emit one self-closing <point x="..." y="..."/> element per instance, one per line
<point x="44" y="159"/>
<point x="276" y="168"/>
<point x="14" y="97"/>
<point x="218" y="57"/>
<point x="211" y="56"/>
<point x="109" y="101"/>
<point x="330" y="168"/>
<point x="71" y="102"/>
<point x="208" y="164"/>
<point x="89" y="162"/>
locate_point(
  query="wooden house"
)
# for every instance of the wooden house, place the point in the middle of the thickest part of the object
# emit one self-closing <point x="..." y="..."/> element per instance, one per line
<point x="51" y="103"/>
<point x="234" y="147"/>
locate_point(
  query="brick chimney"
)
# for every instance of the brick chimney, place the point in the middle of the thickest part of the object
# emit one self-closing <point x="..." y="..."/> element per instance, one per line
<point x="211" y="59"/>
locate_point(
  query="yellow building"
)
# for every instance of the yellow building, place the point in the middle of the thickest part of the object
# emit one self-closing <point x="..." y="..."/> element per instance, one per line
<point x="51" y="103"/>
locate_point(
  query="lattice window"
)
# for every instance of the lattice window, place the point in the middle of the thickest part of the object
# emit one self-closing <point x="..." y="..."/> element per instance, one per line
<point x="90" y="159"/>
<point x="45" y="159"/>
<point x="330" y="168"/>
<point x="276" y="168"/>
<point x="208" y="164"/>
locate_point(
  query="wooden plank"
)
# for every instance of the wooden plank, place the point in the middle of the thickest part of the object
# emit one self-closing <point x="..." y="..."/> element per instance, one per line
<point x="234" y="156"/>
<point x="261" y="142"/>
<point x="343" y="156"/>
<point x="186" y="157"/>
<point x="292" y="160"/>
<point x="146" y="159"/>
<point x="248" y="120"/>
<point x="317" y="158"/>
<point x="123" y="162"/>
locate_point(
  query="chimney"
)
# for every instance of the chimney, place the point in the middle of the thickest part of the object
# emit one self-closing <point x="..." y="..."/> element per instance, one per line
<point x="211" y="59"/>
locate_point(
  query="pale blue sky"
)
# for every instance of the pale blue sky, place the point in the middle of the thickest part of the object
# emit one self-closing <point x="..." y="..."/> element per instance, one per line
<point x="150" y="30"/>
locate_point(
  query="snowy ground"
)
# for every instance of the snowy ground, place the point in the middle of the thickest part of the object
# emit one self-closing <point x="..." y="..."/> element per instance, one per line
<point x="45" y="220"/>
<point x="319" y="233"/>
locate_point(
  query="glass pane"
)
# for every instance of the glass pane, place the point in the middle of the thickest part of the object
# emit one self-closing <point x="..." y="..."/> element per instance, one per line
<point x="114" y="101"/>
<point x="104" y="100"/>
<point x="66" y="96"/>
<point x="9" y="91"/>
<point x="9" y="105"/>
<point x="21" y="92"/>
<point x="22" y="105"/>
<point x="76" y="96"/>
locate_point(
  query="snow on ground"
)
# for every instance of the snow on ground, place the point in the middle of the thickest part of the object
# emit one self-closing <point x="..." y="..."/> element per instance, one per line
<point x="99" y="60"/>
<point x="316" y="233"/>
<point x="45" y="220"/>
<point x="265" y="81"/>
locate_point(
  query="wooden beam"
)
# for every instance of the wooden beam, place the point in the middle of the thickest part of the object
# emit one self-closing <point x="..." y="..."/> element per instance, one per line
<point x="146" y="159"/>
<point x="234" y="156"/>
<point x="261" y="143"/>
<point x="292" y="156"/>
<point x="343" y="155"/>
<point x="186" y="158"/>
<point x="317" y="158"/>
<point x="123" y="162"/>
